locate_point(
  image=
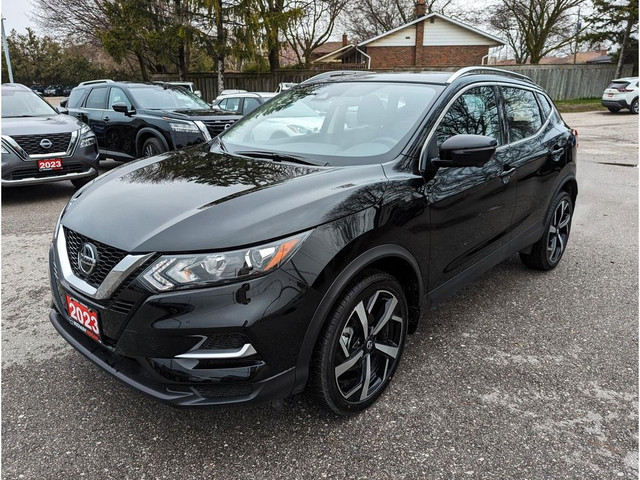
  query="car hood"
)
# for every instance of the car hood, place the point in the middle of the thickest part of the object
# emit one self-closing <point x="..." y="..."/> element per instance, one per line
<point x="54" y="123"/>
<point x="203" y="115"/>
<point x="194" y="200"/>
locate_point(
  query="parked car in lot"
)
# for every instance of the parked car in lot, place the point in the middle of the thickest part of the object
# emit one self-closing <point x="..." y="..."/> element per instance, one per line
<point x="133" y="120"/>
<point x="66" y="91"/>
<point x="283" y="86"/>
<point x="38" y="89"/>
<point x="40" y="145"/>
<point x="621" y="93"/>
<point x="244" y="270"/>
<point x="242" y="103"/>
<point x="54" y="91"/>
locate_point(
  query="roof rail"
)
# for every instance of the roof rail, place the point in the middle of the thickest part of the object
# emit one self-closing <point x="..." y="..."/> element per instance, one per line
<point x="91" y="82"/>
<point x="499" y="71"/>
<point x="335" y="73"/>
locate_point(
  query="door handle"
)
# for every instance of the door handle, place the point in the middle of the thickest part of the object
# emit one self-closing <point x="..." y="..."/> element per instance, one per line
<point x="506" y="173"/>
<point x="106" y="119"/>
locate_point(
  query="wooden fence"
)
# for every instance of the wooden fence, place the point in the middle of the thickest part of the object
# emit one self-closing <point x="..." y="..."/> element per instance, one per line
<point x="562" y="82"/>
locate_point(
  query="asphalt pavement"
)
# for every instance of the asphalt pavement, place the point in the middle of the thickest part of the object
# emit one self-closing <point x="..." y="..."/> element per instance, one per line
<point x="522" y="374"/>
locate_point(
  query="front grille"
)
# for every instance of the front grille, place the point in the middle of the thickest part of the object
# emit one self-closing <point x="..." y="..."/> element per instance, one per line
<point x="31" y="143"/>
<point x="225" y="341"/>
<point x="31" y="171"/>
<point x="108" y="257"/>
<point x="216" y="127"/>
<point x="225" y="390"/>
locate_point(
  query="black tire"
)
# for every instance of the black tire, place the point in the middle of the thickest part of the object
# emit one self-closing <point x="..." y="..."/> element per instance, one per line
<point x="81" y="182"/>
<point x="634" y="107"/>
<point x="152" y="146"/>
<point x="613" y="109"/>
<point x="547" y="252"/>
<point x="350" y="370"/>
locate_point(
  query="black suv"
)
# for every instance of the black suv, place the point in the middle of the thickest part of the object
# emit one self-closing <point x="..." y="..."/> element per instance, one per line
<point x="251" y="267"/>
<point x="134" y="120"/>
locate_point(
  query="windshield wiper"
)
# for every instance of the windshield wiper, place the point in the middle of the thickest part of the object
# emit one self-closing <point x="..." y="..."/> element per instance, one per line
<point x="281" y="157"/>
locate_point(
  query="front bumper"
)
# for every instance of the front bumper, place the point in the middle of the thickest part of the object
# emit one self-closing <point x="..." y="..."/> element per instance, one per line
<point x="168" y="345"/>
<point x="17" y="171"/>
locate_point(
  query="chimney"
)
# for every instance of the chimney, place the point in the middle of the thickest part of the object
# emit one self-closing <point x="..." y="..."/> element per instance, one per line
<point x="344" y="40"/>
<point x="421" y="8"/>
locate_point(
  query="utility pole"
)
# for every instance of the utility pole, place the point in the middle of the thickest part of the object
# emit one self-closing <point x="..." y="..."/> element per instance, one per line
<point x="575" y="52"/>
<point x="6" y="51"/>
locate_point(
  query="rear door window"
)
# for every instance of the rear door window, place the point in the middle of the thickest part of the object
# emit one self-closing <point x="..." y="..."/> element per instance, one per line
<point x="523" y="113"/>
<point x="250" y="104"/>
<point x="97" y="98"/>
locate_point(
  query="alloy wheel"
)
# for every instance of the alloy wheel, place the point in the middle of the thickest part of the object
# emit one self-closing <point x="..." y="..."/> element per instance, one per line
<point x="368" y="348"/>
<point x="558" y="231"/>
<point x="150" y="150"/>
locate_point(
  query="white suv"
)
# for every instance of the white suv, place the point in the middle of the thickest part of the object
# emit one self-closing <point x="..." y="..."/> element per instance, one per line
<point x="622" y="93"/>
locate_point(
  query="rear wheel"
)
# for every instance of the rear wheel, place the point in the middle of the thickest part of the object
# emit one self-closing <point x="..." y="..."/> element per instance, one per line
<point x="613" y="109"/>
<point x="152" y="146"/>
<point x="362" y="342"/>
<point x="634" y="107"/>
<point x="547" y="252"/>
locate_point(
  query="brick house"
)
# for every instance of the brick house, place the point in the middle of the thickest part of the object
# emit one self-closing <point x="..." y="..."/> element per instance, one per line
<point x="432" y="40"/>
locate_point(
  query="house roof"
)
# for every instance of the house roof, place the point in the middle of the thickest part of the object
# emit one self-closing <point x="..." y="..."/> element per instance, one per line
<point x="327" y="47"/>
<point x="426" y="17"/>
<point x="336" y="53"/>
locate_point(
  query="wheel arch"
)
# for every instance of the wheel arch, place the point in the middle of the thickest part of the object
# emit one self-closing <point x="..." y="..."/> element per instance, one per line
<point x="392" y="259"/>
<point x="145" y="133"/>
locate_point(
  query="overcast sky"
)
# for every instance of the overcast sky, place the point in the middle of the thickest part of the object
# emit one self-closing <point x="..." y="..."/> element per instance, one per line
<point x="15" y="14"/>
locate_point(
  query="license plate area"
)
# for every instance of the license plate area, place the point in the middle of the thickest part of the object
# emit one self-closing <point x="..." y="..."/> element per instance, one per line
<point x="83" y="318"/>
<point x="49" y="164"/>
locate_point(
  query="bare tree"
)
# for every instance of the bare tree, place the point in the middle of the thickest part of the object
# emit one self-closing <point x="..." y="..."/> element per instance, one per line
<point x="368" y="18"/>
<point x="539" y="26"/>
<point x="314" y="28"/>
<point x="507" y="26"/>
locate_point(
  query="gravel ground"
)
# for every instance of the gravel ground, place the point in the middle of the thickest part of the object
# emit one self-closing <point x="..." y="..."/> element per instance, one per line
<point x="521" y="375"/>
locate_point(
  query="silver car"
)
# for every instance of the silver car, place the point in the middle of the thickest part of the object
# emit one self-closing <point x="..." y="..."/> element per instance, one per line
<point x="40" y="144"/>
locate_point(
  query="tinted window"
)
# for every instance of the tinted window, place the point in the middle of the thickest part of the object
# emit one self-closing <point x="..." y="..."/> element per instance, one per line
<point x="76" y="97"/>
<point x="250" y="104"/>
<point x="545" y="105"/>
<point x="117" y="95"/>
<point x="97" y="98"/>
<point x="523" y="113"/>
<point x="474" y="112"/>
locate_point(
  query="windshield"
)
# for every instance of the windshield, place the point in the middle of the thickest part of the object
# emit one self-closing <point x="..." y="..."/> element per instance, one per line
<point x="160" y="98"/>
<point x="24" y="103"/>
<point x="337" y="123"/>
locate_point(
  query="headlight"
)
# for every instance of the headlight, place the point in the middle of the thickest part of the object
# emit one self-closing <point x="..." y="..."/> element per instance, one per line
<point x="186" y="127"/>
<point x="87" y="137"/>
<point x="171" y="272"/>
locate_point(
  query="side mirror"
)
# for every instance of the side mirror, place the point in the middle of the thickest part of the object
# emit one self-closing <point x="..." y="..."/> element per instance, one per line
<point x="61" y="109"/>
<point x="466" y="151"/>
<point x="198" y="93"/>
<point x="122" y="108"/>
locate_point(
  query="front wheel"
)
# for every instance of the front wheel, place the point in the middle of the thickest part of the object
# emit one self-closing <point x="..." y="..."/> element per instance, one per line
<point x="360" y="347"/>
<point x="152" y="146"/>
<point x="547" y="252"/>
